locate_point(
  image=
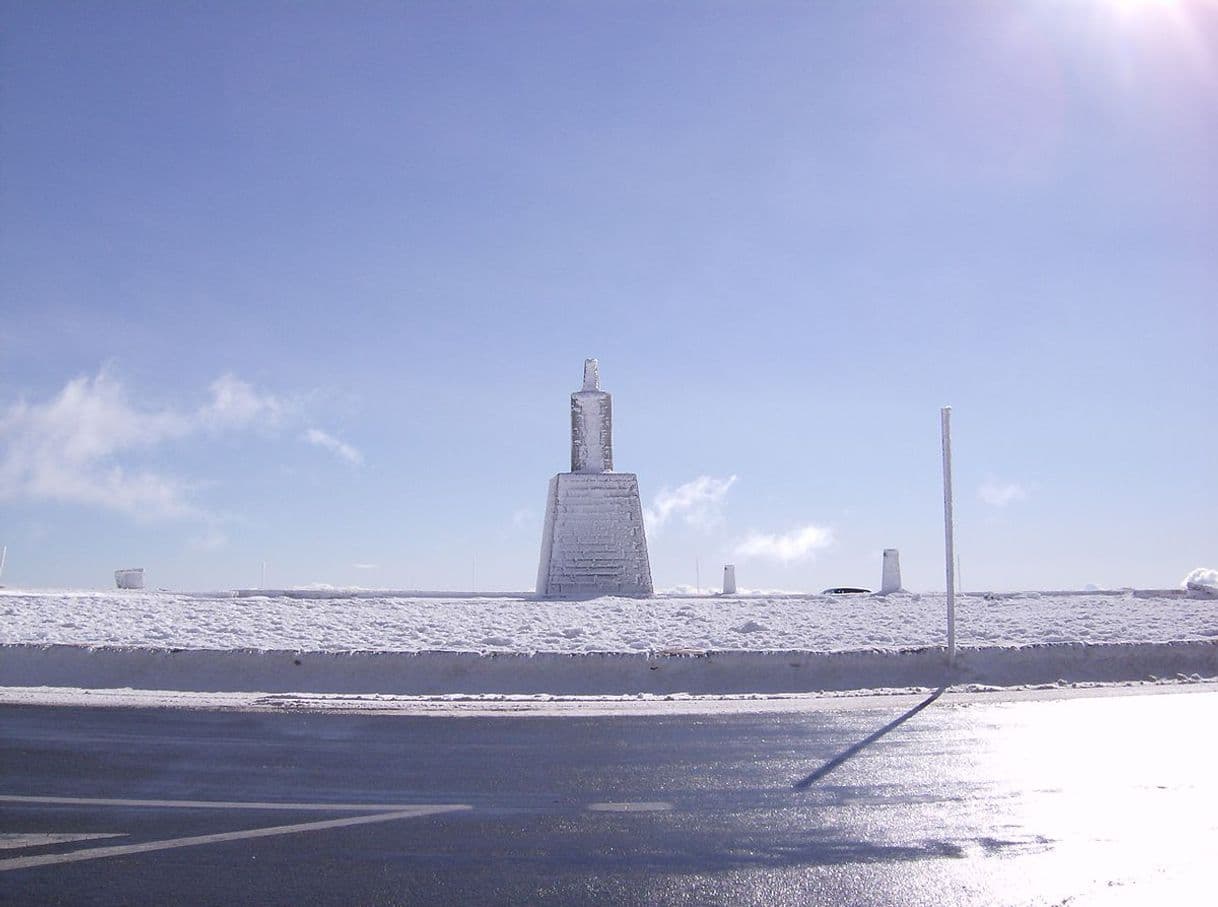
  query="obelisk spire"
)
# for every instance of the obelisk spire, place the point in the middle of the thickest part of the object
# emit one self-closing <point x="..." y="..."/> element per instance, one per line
<point x="591" y="424"/>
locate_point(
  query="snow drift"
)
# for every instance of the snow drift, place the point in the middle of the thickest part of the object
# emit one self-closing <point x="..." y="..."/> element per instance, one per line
<point x="335" y="621"/>
<point x="330" y="641"/>
<point x="1202" y="581"/>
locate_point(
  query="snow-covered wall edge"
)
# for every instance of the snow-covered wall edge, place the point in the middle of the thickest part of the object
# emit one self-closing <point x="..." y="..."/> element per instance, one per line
<point x="420" y="673"/>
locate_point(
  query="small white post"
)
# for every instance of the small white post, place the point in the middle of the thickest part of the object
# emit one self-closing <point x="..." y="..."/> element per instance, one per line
<point x="729" y="579"/>
<point x="3" y="558"/>
<point x="949" y="533"/>
<point x="890" y="578"/>
<point x="262" y="581"/>
<point x="698" y="573"/>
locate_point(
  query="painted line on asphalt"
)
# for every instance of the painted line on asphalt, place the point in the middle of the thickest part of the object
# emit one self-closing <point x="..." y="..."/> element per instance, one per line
<point x="207" y="804"/>
<point x="636" y="807"/>
<point x="98" y="853"/>
<point x="16" y="841"/>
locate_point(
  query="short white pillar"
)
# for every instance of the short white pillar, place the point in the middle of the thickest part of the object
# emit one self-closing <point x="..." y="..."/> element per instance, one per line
<point x="729" y="579"/>
<point x="129" y="579"/>
<point x="891" y="579"/>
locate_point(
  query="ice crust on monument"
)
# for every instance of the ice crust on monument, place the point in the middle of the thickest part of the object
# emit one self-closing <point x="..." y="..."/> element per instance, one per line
<point x="594" y="542"/>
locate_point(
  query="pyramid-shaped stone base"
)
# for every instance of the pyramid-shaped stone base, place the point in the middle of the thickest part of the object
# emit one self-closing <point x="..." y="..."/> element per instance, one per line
<point x="594" y="543"/>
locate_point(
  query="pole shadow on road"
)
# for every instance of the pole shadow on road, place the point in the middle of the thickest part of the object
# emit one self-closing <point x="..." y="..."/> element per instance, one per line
<point x="845" y="755"/>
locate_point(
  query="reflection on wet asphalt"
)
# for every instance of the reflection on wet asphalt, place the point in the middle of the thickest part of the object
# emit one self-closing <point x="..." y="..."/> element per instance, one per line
<point x="1093" y="799"/>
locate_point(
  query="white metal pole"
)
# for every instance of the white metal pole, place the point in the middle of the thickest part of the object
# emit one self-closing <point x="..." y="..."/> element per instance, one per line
<point x="262" y="581"/>
<point x="949" y="533"/>
<point x="698" y="574"/>
<point x="3" y="558"/>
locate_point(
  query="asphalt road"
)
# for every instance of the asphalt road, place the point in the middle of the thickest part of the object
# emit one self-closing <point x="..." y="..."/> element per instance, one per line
<point x="1080" y="800"/>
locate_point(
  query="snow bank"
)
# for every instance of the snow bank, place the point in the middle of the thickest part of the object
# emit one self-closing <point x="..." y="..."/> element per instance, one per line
<point x="1202" y="581"/>
<point x="378" y="622"/>
<point x="368" y="642"/>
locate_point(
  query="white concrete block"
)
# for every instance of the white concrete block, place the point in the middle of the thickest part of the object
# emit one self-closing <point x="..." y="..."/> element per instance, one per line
<point x="729" y="579"/>
<point x="890" y="581"/>
<point x="129" y="579"/>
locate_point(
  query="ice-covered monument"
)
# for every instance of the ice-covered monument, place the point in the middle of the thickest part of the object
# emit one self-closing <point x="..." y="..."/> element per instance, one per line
<point x="593" y="542"/>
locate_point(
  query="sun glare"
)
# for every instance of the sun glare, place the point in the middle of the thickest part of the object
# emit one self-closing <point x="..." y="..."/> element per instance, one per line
<point x="1147" y="9"/>
<point x="1185" y="28"/>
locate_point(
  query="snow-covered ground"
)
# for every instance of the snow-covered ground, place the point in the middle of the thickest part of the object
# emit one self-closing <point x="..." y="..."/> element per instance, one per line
<point x="401" y="623"/>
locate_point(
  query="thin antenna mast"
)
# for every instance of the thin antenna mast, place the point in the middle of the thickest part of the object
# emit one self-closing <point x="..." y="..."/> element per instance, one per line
<point x="949" y="533"/>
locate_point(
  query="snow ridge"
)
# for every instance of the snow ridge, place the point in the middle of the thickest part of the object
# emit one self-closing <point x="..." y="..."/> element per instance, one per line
<point x="402" y="623"/>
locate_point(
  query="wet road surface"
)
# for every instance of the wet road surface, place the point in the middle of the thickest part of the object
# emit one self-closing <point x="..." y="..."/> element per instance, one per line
<point x="1080" y="800"/>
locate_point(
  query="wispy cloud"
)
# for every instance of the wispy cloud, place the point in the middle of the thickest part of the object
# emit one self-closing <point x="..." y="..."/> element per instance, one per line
<point x="699" y="503"/>
<point x="70" y="447"/>
<point x="364" y="566"/>
<point x="339" y="448"/>
<point x="211" y="540"/>
<point x="524" y="518"/>
<point x="235" y="404"/>
<point x="1000" y="494"/>
<point x="795" y="545"/>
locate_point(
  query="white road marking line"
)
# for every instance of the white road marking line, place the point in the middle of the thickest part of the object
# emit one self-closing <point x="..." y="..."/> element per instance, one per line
<point x="97" y="853"/>
<point x="15" y="841"/>
<point x="655" y="807"/>
<point x="207" y="804"/>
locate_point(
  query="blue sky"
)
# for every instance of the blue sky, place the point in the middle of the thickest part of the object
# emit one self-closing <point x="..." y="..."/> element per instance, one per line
<point x="310" y="283"/>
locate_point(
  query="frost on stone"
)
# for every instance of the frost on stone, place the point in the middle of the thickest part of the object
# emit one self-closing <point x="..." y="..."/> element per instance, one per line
<point x="591" y="424"/>
<point x="594" y="542"/>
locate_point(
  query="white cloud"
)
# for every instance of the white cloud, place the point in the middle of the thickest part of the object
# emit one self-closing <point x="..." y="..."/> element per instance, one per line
<point x="211" y="540"/>
<point x="334" y="445"/>
<point x="69" y="448"/>
<point x="999" y="494"/>
<point x="524" y="518"/>
<point x="235" y="404"/>
<point x="364" y="566"/>
<point x="790" y="546"/>
<point x="699" y="503"/>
